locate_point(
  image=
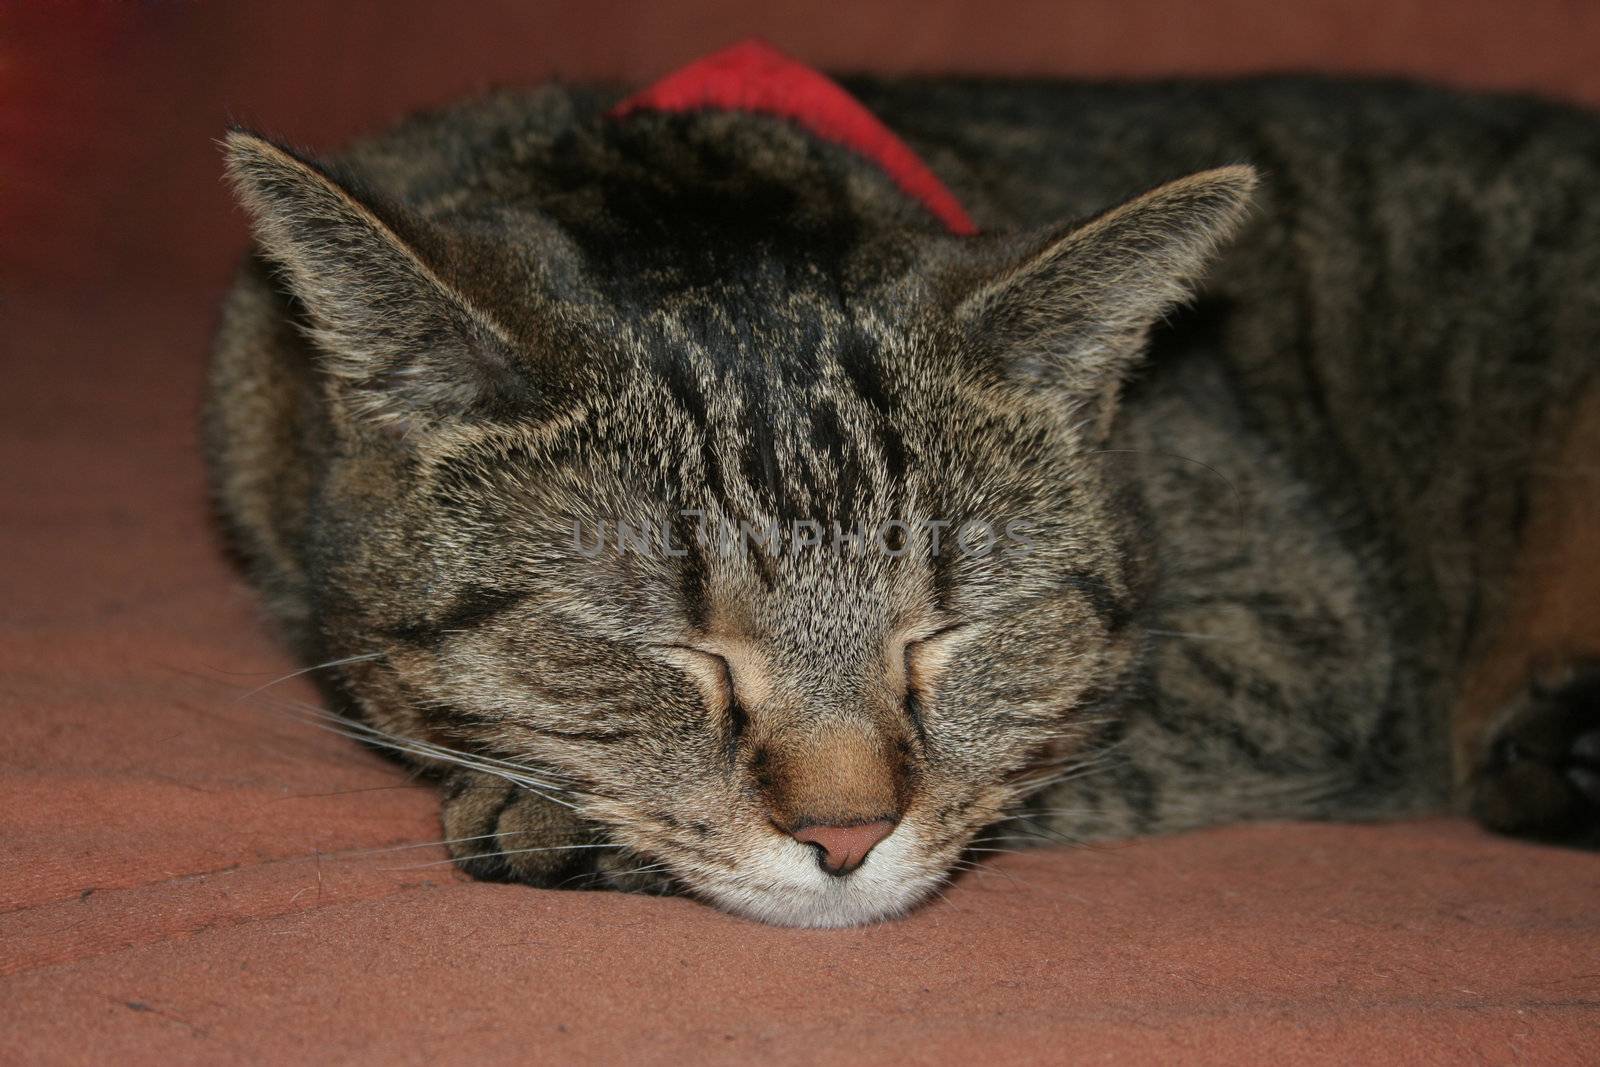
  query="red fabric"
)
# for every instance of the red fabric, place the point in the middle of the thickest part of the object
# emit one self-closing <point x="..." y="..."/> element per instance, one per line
<point x="753" y="76"/>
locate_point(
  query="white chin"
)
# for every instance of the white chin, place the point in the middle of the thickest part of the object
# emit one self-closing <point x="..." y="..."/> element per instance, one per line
<point x="783" y="885"/>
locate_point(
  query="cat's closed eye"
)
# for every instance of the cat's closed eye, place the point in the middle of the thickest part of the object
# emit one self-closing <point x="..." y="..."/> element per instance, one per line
<point x="924" y="657"/>
<point x="713" y="674"/>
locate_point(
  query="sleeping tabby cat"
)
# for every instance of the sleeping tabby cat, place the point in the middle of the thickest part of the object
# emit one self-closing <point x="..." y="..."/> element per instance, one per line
<point x="1318" y="544"/>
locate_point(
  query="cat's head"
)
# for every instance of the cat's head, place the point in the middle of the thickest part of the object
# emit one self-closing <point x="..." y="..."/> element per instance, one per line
<point x="761" y="518"/>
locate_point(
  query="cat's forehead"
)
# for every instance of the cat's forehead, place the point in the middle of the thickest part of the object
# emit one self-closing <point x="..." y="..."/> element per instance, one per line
<point x="751" y="325"/>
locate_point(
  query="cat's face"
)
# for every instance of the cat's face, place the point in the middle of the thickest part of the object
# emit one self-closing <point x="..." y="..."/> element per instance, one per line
<point x="604" y="597"/>
<point x="781" y="554"/>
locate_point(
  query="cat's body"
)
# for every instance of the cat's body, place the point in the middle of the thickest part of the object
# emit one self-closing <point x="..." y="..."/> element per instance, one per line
<point x="1284" y="576"/>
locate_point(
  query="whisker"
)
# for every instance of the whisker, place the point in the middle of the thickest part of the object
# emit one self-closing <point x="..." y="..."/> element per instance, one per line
<point x="940" y="894"/>
<point x="978" y="867"/>
<point x="652" y="869"/>
<point x="344" y="792"/>
<point x="360" y="731"/>
<point x="364" y="657"/>
<point x="417" y="844"/>
<point x="1034" y="813"/>
<point x="491" y="855"/>
<point x="1191" y="636"/>
<point x="1099" y="763"/>
<point x="363" y="732"/>
<point x="1046" y="833"/>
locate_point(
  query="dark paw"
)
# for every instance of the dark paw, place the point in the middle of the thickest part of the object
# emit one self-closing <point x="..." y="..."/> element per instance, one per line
<point x="500" y="832"/>
<point x="1540" y="774"/>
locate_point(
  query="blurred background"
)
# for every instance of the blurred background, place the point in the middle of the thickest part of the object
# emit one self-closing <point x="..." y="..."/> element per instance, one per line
<point x="108" y="111"/>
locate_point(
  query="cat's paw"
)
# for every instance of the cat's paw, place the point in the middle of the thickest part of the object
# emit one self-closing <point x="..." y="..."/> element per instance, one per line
<point x="499" y="832"/>
<point x="1539" y="775"/>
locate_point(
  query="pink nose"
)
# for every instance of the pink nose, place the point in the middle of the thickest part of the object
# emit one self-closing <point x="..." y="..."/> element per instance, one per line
<point x="841" y="849"/>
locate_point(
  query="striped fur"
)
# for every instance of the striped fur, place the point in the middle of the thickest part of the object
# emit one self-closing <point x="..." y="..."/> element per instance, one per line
<point x="1259" y="559"/>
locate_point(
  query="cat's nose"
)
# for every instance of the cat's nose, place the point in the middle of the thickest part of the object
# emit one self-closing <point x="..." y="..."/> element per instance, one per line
<point x="841" y="849"/>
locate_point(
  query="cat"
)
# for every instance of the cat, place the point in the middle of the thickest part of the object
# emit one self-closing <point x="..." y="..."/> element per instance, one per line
<point x="1283" y="385"/>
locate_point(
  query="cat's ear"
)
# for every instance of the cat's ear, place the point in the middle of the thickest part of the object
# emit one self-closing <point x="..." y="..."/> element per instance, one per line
<point x="405" y="347"/>
<point x="1071" y="314"/>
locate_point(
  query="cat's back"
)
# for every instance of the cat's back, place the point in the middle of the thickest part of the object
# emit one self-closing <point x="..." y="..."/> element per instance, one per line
<point x="1408" y="322"/>
<point x="1024" y="152"/>
<point x="1410" y="314"/>
<point x="1406" y="329"/>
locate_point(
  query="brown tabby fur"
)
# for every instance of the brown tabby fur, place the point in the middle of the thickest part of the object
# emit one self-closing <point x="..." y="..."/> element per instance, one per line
<point x="1266" y="564"/>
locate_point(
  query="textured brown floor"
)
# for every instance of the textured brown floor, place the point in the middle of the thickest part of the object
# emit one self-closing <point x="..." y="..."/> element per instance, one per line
<point x="187" y="876"/>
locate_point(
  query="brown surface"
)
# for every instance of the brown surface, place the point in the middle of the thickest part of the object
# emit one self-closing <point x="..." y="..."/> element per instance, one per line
<point x="183" y="874"/>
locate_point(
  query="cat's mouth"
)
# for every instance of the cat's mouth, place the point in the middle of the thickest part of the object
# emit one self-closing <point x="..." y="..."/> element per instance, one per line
<point x="786" y="876"/>
<point x="783" y="883"/>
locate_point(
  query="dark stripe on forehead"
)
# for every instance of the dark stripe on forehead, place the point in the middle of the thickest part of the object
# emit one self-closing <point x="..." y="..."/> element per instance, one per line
<point x="849" y="479"/>
<point x="689" y="395"/>
<point x="473" y="607"/>
<point x="758" y="455"/>
<point x="942" y="565"/>
<point x="693" y="574"/>
<point x="857" y="360"/>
